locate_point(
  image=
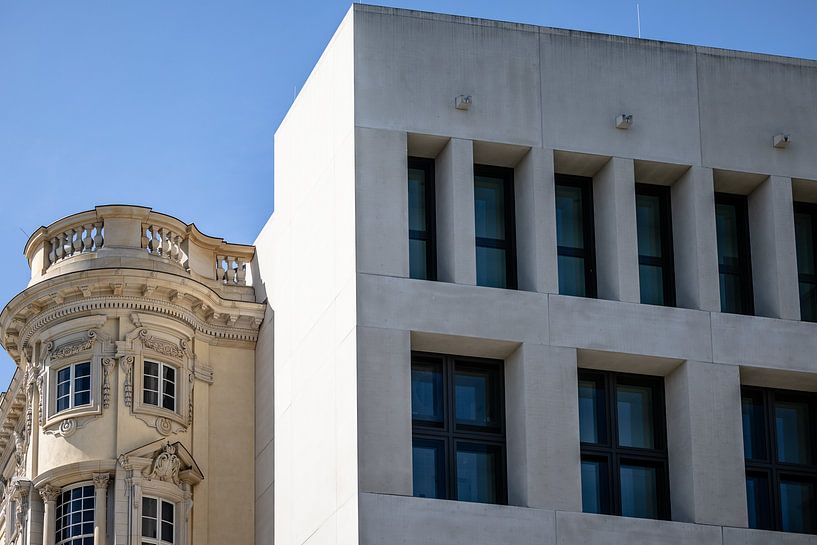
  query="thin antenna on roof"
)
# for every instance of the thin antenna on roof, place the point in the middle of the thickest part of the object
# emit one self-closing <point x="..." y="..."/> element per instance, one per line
<point x="638" y="16"/>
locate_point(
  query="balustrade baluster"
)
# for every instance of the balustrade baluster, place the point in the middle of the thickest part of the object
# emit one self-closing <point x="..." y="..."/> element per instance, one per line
<point x="175" y="250"/>
<point x="99" y="241"/>
<point x="87" y="239"/>
<point x="242" y="271"/>
<point x="153" y="246"/>
<point x="52" y="255"/>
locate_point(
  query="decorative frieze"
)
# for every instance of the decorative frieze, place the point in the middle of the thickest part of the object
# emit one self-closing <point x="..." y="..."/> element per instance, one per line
<point x="165" y="467"/>
<point x="72" y="349"/>
<point x="166" y="348"/>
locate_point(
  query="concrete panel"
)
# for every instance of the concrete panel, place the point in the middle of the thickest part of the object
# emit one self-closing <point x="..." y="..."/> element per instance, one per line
<point x="584" y="528"/>
<point x="409" y="67"/>
<point x="742" y="536"/>
<point x="456" y="253"/>
<point x="615" y="226"/>
<point x="451" y="309"/>
<point x="381" y="202"/>
<point x="694" y="240"/>
<point x="589" y="79"/>
<point x="536" y="222"/>
<point x="384" y="402"/>
<point x="420" y="521"/>
<point x="774" y="256"/>
<point x="764" y="342"/>
<point x="629" y="328"/>
<point x="705" y="443"/>
<point x="543" y="428"/>
<point x="745" y="100"/>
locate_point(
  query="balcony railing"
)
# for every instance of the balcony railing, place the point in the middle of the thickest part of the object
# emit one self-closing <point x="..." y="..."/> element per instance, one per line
<point x="135" y="237"/>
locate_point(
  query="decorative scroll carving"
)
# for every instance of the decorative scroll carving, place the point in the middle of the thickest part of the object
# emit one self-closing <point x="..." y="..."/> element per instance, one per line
<point x="107" y="369"/>
<point x="127" y="363"/>
<point x="20" y="448"/>
<point x="165" y="466"/>
<point x="41" y="397"/>
<point x="67" y="427"/>
<point x="101" y="480"/>
<point x="164" y="426"/>
<point x="72" y="349"/>
<point x="190" y="401"/>
<point x="166" y="348"/>
<point x="20" y="492"/>
<point x="49" y="493"/>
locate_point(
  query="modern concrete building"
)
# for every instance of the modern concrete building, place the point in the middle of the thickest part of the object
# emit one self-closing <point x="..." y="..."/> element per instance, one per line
<point x="522" y="286"/>
<point x="557" y="271"/>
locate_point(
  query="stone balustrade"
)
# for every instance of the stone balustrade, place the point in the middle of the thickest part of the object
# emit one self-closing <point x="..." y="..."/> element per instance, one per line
<point x="135" y="237"/>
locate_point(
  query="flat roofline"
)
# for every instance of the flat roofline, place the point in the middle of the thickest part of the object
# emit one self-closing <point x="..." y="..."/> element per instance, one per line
<point x="525" y="27"/>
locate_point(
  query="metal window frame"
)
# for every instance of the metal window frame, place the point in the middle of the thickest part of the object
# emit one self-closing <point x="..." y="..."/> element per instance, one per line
<point x="615" y="455"/>
<point x="509" y="242"/>
<point x="72" y="387"/>
<point x="161" y="381"/>
<point x="61" y="507"/>
<point x="588" y="253"/>
<point x="667" y="259"/>
<point x="744" y="268"/>
<point x="811" y="210"/>
<point x="429" y="235"/>
<point x="158" y="539"/>
<point x="450" y="434"/>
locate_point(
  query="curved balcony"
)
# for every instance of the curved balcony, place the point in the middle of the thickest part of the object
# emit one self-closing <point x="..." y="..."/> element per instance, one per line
<point x="135" y="237"/>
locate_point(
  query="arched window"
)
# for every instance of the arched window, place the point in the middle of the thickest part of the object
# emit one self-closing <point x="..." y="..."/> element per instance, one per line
<point x="75" y="515"/>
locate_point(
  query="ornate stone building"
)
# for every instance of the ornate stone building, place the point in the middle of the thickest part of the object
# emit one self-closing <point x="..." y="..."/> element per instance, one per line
<point x="130" y="416"/>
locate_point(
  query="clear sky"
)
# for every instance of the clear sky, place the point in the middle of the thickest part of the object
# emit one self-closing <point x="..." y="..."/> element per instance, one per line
<point x="173" y="104"/>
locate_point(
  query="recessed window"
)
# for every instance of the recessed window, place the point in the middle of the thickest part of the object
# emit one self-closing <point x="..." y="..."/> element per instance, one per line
<point x="160" y="385"/>
<point x="734" y="258"/>
<point x="494" y="227"/>
<point x="158" y="521"/>
<point x="780" y="447"/>
<point x="73" y="386"/>
<point x="458" y="447"/>
<point x="805" y="229"/>
<point x="75" y="516"/>
<point x="623" y="445"/>
<point x="656" y="273"/>
<point x="421" y="210"/>
<point x="575" y="236"/>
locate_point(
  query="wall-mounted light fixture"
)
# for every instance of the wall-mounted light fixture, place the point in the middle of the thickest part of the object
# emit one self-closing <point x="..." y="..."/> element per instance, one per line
<point x="624" y="121"/>
<point x="781" y="141"/>
<point x="462" y="102"/>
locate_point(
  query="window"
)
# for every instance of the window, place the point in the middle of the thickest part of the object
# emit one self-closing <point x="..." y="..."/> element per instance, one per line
<point x="623" y="445"/>
<point x="805" y="230"/>
<point x="458" y="418"/>
<point x="73" y="386"/>
<point x="75" y="516"/>
<point x="575" y="236"/>
<point x="160" y="385"/>
<point x="780" y="447"/>
<point x="421" y="209"/>
<point x="734" y="261"/>
<point x="495" y="226"/>
<point x="158" y="522"/>
<point x="655" y="264"/>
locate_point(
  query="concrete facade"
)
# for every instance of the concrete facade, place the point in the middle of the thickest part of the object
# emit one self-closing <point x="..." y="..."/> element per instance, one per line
<point x="333" y="267"/>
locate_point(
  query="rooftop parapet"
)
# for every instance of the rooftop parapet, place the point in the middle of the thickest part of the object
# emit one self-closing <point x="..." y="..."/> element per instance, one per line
<point x="135" y="237"/>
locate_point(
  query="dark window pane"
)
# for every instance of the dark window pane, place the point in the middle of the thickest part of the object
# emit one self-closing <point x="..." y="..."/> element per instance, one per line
<point x="491" y="267"/>
<point x="804" y="235"/>
<point x="594" y="486"/>
<point x="731" y="294"/>
<point x="476" y="403"/>
<point x="151" y="383"/>
<point x="591" y="412"/>
<point x="489" y="207"/>
<point x="169" y="373"/>
<point x="167" y="532"/>
<point x="64" y="375"/>
<point x="726" y="225"/>
<point x="82" y="383"/>
<point x="151" y="368"/>
<point x="82" y="370"/>
<point x="797" y="506"/>
<point x="639" y="487"/>
<point x="418" y="259"/>
<point x="63" y="403"/>
<point x="569" y="217"/>
<point x="149" y="507"/>
<point x="82" y="398"/>
<point x="477" y="468"/>
<point x="571" y="276"/>
<point x="808" y="301"/>
<point x="754" y="436"/>
<point x="635" y="416"/>
<point x="757" y="499"/>
<point x="651" y="280"/>
<point x="792" y="431"/>
<point x="167" y="511"/>
<point x="151" y="398"/>
<point x="417" y="199"/>
<point x="63" y="389"/>
<point x="427" y="392"/>
<point x="648" y="221"/>
<point x="168" y="402"/>
<point x="428" y="466"/>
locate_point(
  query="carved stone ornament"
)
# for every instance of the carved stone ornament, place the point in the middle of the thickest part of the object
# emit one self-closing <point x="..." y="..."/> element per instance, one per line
<point x="101" y="480"/>
<point x="127" y="364"/>
<point x="20" y="448"/>
<point x="72" y="349"/>
<point x="49" y="493"/>
<point x="107" y="369"/>
<point x="41" y="397"/>
<point x="165" y="466"/>
<point x="166" y="348"/>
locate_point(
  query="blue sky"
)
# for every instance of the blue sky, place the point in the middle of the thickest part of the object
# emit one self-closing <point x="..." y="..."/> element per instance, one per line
<point x="173" y="104"/>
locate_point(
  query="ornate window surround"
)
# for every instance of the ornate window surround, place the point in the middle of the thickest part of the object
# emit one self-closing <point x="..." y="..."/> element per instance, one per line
<point x="162" y="341"/>
<point x="76" y="341"/>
